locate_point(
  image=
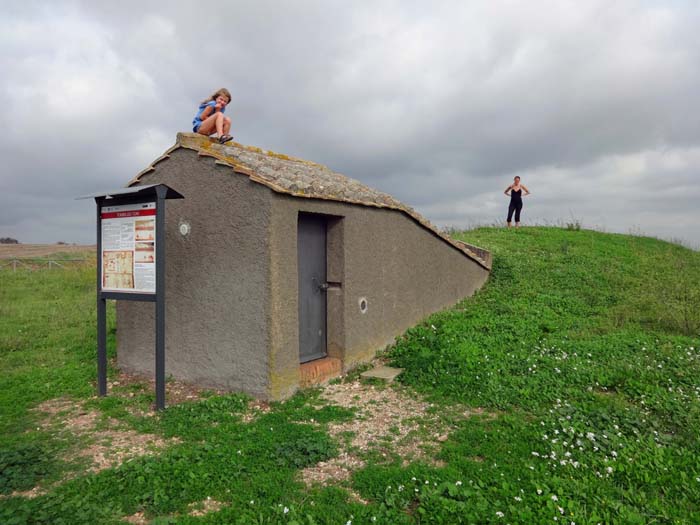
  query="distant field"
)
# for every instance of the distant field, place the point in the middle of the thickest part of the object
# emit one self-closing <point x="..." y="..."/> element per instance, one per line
<point x="11" y="251"/>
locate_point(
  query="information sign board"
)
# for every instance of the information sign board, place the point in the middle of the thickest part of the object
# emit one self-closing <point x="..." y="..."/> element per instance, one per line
<point x="131" y="264"/>
<point x="128" y="251"/>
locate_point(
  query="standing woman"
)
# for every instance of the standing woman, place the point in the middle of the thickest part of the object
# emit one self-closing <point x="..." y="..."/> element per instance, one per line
<point x="515" y="191"/>
<point x="210" y="117"/>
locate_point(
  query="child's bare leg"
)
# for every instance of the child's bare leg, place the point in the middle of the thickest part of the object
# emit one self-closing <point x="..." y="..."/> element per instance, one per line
<point x="220" y="124"/>
<point x="211" y="124"/>
<point x="227" y="125"/>
<point x="208" y="125"/>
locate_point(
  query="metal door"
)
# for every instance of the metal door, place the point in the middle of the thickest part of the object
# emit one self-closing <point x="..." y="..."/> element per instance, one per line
<point x="311" y="254"/>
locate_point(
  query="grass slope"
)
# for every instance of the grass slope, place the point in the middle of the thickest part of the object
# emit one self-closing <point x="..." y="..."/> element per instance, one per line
<point x="583" y="347"/>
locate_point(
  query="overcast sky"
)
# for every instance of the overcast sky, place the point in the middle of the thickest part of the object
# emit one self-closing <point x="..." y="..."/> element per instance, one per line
<point x="593" y="103"/>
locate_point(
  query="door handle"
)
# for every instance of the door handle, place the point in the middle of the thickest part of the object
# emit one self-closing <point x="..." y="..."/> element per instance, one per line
<point x="323" y="287"/>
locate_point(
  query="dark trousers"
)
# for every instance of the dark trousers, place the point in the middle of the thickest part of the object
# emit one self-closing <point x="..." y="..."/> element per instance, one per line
<point x="515" y="207"/>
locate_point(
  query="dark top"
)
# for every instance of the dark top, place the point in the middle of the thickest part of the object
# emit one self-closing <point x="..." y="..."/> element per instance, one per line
<point x="516" y="196"/>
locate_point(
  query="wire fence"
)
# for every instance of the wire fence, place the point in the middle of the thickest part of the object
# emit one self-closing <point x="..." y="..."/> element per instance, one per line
<point x="32" y="264"/>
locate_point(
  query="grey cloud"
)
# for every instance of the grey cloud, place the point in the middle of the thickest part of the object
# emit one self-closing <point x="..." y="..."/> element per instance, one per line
<point x="438" y="105"/>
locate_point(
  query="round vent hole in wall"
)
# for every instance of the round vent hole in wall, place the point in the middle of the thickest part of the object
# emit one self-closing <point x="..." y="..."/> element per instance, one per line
<point x="185" y="228"/>
<point x="363" y="305"/>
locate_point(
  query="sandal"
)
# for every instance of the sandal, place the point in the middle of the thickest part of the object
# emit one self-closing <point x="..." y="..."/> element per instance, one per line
<point x="225" y="138"/>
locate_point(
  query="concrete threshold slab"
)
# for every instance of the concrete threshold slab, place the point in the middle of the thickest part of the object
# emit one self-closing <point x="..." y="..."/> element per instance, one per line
<point x="387" y="373"/>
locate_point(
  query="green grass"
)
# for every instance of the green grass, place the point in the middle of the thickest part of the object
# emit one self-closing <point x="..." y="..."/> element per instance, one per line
<point x="583" y="349"/>
<point x="578" y="338"/>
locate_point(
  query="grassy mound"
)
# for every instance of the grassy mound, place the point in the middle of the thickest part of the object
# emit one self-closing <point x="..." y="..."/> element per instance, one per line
<point x="587" y="344"/>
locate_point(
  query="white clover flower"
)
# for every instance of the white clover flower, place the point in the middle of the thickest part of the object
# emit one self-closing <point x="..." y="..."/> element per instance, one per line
<point x="458" y="483"/>
<point x="609" y="470"/>
<point x="518" y="498"/>
<point x="561" y="510"/>
<point x="499" y="514"/>
<point x="554" y="497"/>
<point x="539" y="491"/>
<point x="285" y="510"/>
<point x="349" y="522"/>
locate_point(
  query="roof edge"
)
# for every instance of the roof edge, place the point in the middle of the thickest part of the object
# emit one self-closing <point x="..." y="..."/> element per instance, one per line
<point x="203" y="146"/>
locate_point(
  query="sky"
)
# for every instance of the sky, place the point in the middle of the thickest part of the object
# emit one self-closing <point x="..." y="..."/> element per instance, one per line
<point x="594" y="104"/>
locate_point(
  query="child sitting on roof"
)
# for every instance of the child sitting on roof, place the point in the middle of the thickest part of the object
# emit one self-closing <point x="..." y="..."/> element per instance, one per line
<point x="210" y="116"/>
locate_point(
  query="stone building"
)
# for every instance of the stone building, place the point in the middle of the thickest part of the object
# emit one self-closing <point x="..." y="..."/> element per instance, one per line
<point x="281" y="272"/>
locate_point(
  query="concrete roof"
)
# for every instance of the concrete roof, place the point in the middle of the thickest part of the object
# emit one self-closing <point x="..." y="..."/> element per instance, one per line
<point x="304" y="179"/>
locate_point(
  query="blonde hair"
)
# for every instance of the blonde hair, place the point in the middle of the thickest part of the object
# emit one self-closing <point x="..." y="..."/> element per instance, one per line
<point x="223" y="91"/>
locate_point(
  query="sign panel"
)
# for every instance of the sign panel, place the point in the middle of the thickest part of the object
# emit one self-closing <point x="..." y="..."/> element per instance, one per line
<point x="128" y="256"/>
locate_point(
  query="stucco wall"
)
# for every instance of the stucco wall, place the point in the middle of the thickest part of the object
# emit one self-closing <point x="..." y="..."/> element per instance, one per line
<point x="404" y="272"/>
<point x="217" y="288"/>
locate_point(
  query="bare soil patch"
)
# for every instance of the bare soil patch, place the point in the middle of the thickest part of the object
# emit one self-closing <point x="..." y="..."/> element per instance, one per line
<point x="103" y="442"/>
<point x="255" y="408"/>
<point x="389" y="421"/>
<point x="138" y="518"/>
<point x="176" y="392"/>
<point x="197" y="510"/>
<point x="205" y="507"/>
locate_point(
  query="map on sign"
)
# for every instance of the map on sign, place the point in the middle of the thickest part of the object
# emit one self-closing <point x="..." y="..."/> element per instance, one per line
<point x="128" y="252"/>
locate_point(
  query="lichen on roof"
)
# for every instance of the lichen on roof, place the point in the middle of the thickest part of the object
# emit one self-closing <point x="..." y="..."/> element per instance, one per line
<point x="299" y="178"/>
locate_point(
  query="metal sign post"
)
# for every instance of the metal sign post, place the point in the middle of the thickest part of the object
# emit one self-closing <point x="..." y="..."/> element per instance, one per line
<point x="131" y="264"/>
